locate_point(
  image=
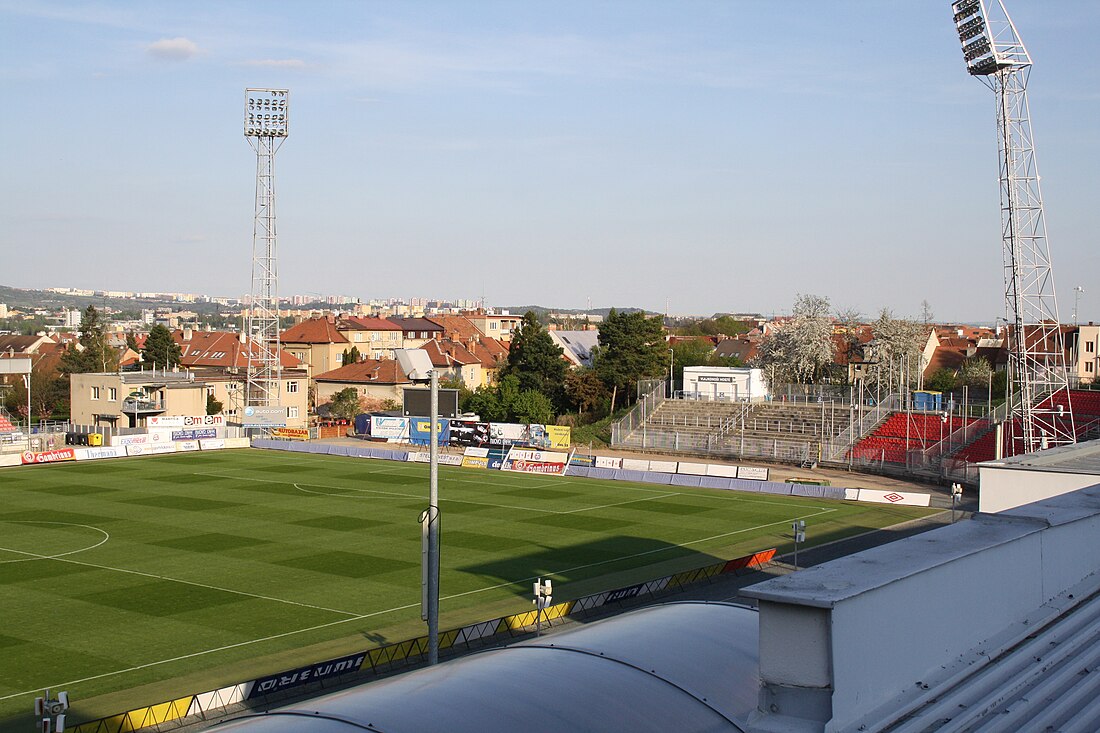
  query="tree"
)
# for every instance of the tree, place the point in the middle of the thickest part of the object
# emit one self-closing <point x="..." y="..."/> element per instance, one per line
<point x="131" y="341"/>
<point x="800" y="351"/>
<point x="632" y="348"/>
<point x="975" y="372"/>
<point x="160" y="349"/>
<point x="536" y="361"/>
<point x="941" y="380"/>
<point x="351" y="356"/>
<point x="345" y="403"/>
<point x="898" y="343"/>
<point x="531" y="406"/>
<point x="94" y="354"/>
<point x="584" y="387"/>
<point x="213" y="406"/>
<point x="47" y="393"/>
<point x="485" y="402"/>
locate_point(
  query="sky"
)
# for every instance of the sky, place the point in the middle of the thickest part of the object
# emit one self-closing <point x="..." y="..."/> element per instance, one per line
<point x="697" y="156"/>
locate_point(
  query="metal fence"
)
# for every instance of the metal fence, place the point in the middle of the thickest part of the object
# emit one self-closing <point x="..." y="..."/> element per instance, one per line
<point x="651" y="393"/>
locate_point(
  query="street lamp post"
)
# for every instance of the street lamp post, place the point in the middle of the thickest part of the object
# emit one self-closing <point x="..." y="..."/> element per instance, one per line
<point x="799" y="530"/>
<point x="27" y="384"/>
<point x="543" y="597"/>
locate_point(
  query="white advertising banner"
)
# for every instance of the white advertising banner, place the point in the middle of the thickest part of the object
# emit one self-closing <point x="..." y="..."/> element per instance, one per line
<point x="692" y="469"/>
<point x="238" y="442"/>
<point x="91" y="454"/>
<point x="212" y="444"/>
<point x="160" y="435"/>
<point x="183" y="446"/>
<point x="752" y="472"/>
<point x="186" y="421"/>
<point x="662" y="466"/>
<point x="150" y="449"/>
<point x="450" y="459"/>
<point x="633" y="464"/>
<point x="11" y="459"/>
<point x="608" y="462"/>
<point x="717" y="469"/>
<point x="910" y="498"/>
<point x="475" y="452"/>
<point x="390" y="428"/>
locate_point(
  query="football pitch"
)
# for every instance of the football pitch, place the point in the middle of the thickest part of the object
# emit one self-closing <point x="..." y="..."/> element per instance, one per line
<point x="139" y="580"/>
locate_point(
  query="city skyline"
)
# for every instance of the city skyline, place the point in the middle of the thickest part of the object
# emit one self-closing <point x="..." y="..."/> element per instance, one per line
<point x="723" y="159"/>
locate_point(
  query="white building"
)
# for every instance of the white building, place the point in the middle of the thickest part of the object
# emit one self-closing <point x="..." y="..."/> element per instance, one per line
<point x="725" y="384"/>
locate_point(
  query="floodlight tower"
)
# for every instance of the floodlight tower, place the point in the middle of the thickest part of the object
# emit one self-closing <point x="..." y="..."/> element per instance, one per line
<point x="1038" y="393"/>
<point x="266" y="126"/>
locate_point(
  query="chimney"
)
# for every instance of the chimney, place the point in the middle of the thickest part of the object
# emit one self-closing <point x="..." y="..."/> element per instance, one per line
<point x="187" y="333"/>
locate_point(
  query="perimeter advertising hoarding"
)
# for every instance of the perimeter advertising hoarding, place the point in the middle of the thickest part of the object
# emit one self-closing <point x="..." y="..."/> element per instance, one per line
<point x="389" y="428"/>
<point x="504" y="433"/>
<point x="496" y="457"/>
<point x="150" y="449"/>
<point x="48" y="456"/>
<point x="272" y="416"/>
<point x="307" y="675"/>
<point x="608" y="462"/>
<point x="420" y="428"/>
<point x="186" y="421"/>
<point x="91" y="454"/>
<point x="199" y="434"/>
<point x="469" y="432"/>
<point x="752" y="472"/>
<point x="553" y="437"/>
<point x="535" y="461"/>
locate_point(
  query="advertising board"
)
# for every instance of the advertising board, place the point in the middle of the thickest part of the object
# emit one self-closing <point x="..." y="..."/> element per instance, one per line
<point x="535" y="461"/>
<point x="91" y="454"/>
<point x="48" y="456"/>
<point x="420" y="428"/>
<point x="149" y="449"/>
<point x="390" y="428"/>
<point x="503" y="433"/>
<point x="194" y="434"/>
<point x="186" y="421"/>
<point x="272" y="416"/>
<point x="752" y="472"/>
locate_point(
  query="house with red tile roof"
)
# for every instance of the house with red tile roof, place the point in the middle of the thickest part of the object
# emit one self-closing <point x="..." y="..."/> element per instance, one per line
<point x="375" y="338"/>
<point x="317" y="343"/>
<point x="220" y="359"/>
<point x="377" y="381"/>
<point x="418" y="331"/>
<point x="456" y="362"/>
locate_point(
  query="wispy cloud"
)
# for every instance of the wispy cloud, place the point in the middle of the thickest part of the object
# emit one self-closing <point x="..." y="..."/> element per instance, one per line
<point x="172" y="49"/>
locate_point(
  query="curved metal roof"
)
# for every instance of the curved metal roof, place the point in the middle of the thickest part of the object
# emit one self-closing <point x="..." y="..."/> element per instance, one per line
<point x="680" y="666"/>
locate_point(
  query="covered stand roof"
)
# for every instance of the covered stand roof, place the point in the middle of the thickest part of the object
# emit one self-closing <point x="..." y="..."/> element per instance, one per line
<point x="678" y="667"/>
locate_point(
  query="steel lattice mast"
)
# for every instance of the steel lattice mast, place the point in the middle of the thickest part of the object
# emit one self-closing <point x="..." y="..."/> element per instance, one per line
<point x="1038" y="393"/>
<point x="266" y="126"/>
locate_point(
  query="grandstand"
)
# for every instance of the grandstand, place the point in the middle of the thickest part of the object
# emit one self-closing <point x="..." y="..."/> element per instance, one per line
<point x="883" y="437"/>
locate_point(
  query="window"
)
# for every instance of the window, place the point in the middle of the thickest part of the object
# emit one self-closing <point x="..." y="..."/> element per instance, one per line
<point x="1089" y="345"/>
<point x="291" y="387"/>
<point x="358" y="338"/>
<point x="1088" y="367"/>
<point x="292" y="412"/>
<point x="112" y="394"/>
<point x="95" y="393"/>
<point x="423" y="334"/>
<point x="411" y="335"/>
<point x="374" y="336"/>
<point x="493" y="325"/>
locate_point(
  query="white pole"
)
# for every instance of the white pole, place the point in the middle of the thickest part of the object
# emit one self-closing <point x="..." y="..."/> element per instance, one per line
<point x="433" y="524"/>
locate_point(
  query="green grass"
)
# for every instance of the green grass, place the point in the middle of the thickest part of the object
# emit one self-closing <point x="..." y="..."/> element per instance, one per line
<point x="128" y="582"/>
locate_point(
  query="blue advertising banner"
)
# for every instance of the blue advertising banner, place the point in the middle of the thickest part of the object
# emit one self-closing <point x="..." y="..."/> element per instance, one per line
<point x="496" y="457"/>
<point x="199" y="434"/>
<point x="420" y="428"/>
<point x="585" y="461"/>
<point x="307" y="675"/>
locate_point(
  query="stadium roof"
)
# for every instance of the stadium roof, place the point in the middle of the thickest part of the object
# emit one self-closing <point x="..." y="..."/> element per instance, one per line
<point x="681" y="667"/>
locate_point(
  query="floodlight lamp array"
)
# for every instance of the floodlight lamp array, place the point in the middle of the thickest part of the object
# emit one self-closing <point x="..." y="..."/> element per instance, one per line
<point x="267" y="113"/>
<point x="974" y="34"/>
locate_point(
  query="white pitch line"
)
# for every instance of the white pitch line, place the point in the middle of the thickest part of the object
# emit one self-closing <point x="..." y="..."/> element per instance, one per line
<point x="393" y="610"/>
<point x="227" y="647"/>
<point x="620" y="503"/>
<point x="105" y="533"/>
<point x="35" y="556"/>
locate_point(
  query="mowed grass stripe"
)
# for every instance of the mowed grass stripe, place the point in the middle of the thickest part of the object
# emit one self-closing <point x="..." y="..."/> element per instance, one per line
<point x="351" y="547"/>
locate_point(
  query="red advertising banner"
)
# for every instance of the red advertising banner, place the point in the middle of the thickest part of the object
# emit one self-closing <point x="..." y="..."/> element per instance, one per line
<point x="49" y="456"/>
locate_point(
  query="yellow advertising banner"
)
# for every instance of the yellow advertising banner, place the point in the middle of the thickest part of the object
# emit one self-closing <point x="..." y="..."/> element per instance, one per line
<point x="475" y="462"/>
<point x="560" y="436"/>
<point x="291" y="433"/>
